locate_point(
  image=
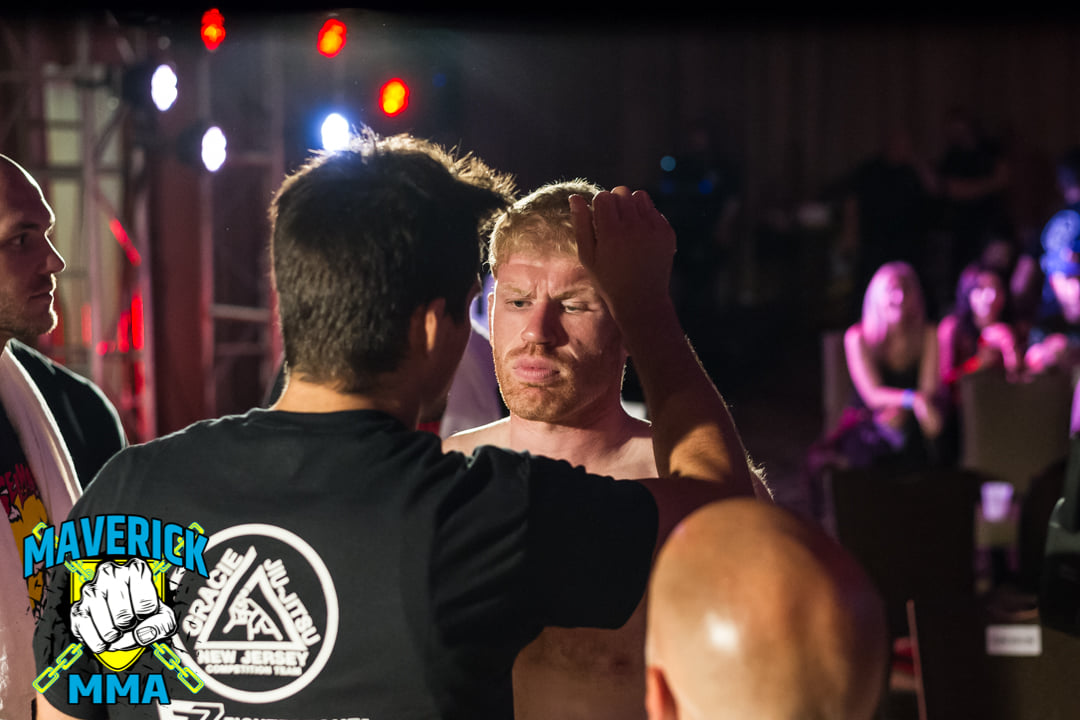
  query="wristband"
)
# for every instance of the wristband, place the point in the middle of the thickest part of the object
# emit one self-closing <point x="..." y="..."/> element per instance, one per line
<point x="907" y="399"/>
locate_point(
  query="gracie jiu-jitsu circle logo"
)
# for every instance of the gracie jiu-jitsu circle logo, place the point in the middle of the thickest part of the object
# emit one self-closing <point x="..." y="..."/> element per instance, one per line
<point x="118" y="605"/>
<point x="262" y="624"/>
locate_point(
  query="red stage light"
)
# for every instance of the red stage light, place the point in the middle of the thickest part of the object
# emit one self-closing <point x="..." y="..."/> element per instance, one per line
<point x="213" y="29"/>
<point x="394" y="97"/>
<point x="331" y="37"/>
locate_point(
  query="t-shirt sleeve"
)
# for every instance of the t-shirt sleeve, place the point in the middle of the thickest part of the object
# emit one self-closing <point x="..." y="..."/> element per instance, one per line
<point x="527" y="542"/>
<point x="591" y="541"/>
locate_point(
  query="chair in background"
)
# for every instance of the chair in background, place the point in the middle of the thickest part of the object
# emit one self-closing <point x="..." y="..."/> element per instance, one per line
<point x="1013" y="430"/>
<point x="973" y="660"/>
<point x="913" y="533"/>
<point x="1043" y="493"/>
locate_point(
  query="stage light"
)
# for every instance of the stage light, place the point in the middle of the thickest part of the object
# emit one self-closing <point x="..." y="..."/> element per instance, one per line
<point x="394" y="97"/>
<point x="213" y="29"/>
<point x="331" y="37"/>
<point x="213" y="149"/>
<point x="335" y="132"/>
<point x="163" y="87"/>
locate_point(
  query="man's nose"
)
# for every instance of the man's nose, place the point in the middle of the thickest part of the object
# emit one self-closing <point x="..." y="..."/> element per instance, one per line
<point x="54" y="261"/>
<point x="540" y="327"/>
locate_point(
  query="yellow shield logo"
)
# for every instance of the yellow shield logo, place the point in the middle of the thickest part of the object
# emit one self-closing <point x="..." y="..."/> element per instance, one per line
<point x="115" y="660"/>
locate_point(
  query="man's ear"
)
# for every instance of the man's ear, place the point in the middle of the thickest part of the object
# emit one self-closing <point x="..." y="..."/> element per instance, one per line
<point x="435" y="323"/>
<point x="659" y="702"/>
<point x="426" y="325"/>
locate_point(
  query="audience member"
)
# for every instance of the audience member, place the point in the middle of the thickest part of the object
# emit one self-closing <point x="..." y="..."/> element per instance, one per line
<point x="698" y="194"/>
<point x="887" y="208"/>
<point x="413" y="577"/>
<point x="977" y="335"/>
<point x="756" y="613"/>
<point x="47" y="415"/>
<point x="972" y="177"/>
<point x="892" y="358"/>
<point x="978" y="332"/>
<point x="559" y="358"/>
<point x="1019" y="265"/>
<point x="1054" y="340"/>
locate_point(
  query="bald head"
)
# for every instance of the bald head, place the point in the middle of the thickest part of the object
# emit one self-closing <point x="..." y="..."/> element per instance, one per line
<point x="28" y="260"/>
<point x="755" y="613"/>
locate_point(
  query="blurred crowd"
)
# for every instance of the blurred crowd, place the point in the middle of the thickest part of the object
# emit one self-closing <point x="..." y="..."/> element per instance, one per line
<point x="917" y="234"/>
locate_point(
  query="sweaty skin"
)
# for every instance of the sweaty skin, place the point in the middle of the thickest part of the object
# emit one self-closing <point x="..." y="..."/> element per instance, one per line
<point x="580" y="672"/>
<point x="559" y="357"/>
<point x="756" y="613"/>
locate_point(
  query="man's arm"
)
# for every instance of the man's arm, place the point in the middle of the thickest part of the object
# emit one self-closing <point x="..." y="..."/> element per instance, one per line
<point x="628" y="247"/>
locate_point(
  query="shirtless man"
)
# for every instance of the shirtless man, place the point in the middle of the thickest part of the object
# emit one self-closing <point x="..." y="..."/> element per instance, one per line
<point x="755" y="613"/>
<point x="559" y="359"/>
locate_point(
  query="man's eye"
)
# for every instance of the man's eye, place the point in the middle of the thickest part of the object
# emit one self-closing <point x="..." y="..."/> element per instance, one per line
<point x="575" y="308"/>
<point x="517" y="303"/>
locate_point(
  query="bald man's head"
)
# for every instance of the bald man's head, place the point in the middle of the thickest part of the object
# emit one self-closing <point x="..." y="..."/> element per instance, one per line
<point x="28" y="260"/>
<point x="755" y="613"/>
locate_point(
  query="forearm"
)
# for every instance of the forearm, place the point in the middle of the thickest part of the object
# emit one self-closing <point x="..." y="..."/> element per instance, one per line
<point x="883" y="397"/>
<point x="929" y="417"/>
<point x="627" y="245"/>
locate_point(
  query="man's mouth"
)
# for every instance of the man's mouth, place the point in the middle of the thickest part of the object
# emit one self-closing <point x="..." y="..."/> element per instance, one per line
<point x="535" y="370"/>
<point x="43" y="292"/>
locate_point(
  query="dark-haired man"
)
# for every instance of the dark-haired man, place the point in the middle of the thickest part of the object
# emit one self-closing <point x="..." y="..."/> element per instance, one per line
<point x="349" y="567"/>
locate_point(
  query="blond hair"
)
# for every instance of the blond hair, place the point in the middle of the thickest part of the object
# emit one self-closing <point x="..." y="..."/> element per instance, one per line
<point x="539" y="221"/>
<point x="875" y="326"/>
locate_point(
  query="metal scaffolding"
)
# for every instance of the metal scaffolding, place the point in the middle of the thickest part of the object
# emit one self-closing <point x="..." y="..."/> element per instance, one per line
<point x="62" y="120"/>
<point x="65" y="117"/>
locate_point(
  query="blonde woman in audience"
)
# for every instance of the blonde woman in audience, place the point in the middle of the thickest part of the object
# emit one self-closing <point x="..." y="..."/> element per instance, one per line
<point x="892" y="357"/>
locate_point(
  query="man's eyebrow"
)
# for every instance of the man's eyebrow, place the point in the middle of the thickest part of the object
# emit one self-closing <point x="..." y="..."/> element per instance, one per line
<point x="581" y="290"/>
<point x="514" y="289"/>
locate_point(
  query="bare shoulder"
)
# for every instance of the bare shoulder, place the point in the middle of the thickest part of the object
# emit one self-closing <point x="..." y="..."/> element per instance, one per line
<point x="495" y="433"/>
<point x="637" y="459"/>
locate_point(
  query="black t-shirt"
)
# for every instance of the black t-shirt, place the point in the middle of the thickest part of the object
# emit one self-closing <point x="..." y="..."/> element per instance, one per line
<point x="88" y="421"/>
<point x="355" y="570"/>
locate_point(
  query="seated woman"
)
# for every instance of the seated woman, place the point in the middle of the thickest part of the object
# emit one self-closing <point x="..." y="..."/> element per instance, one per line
<point x="978" y="332"/>
<point x="892" y="356"/>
